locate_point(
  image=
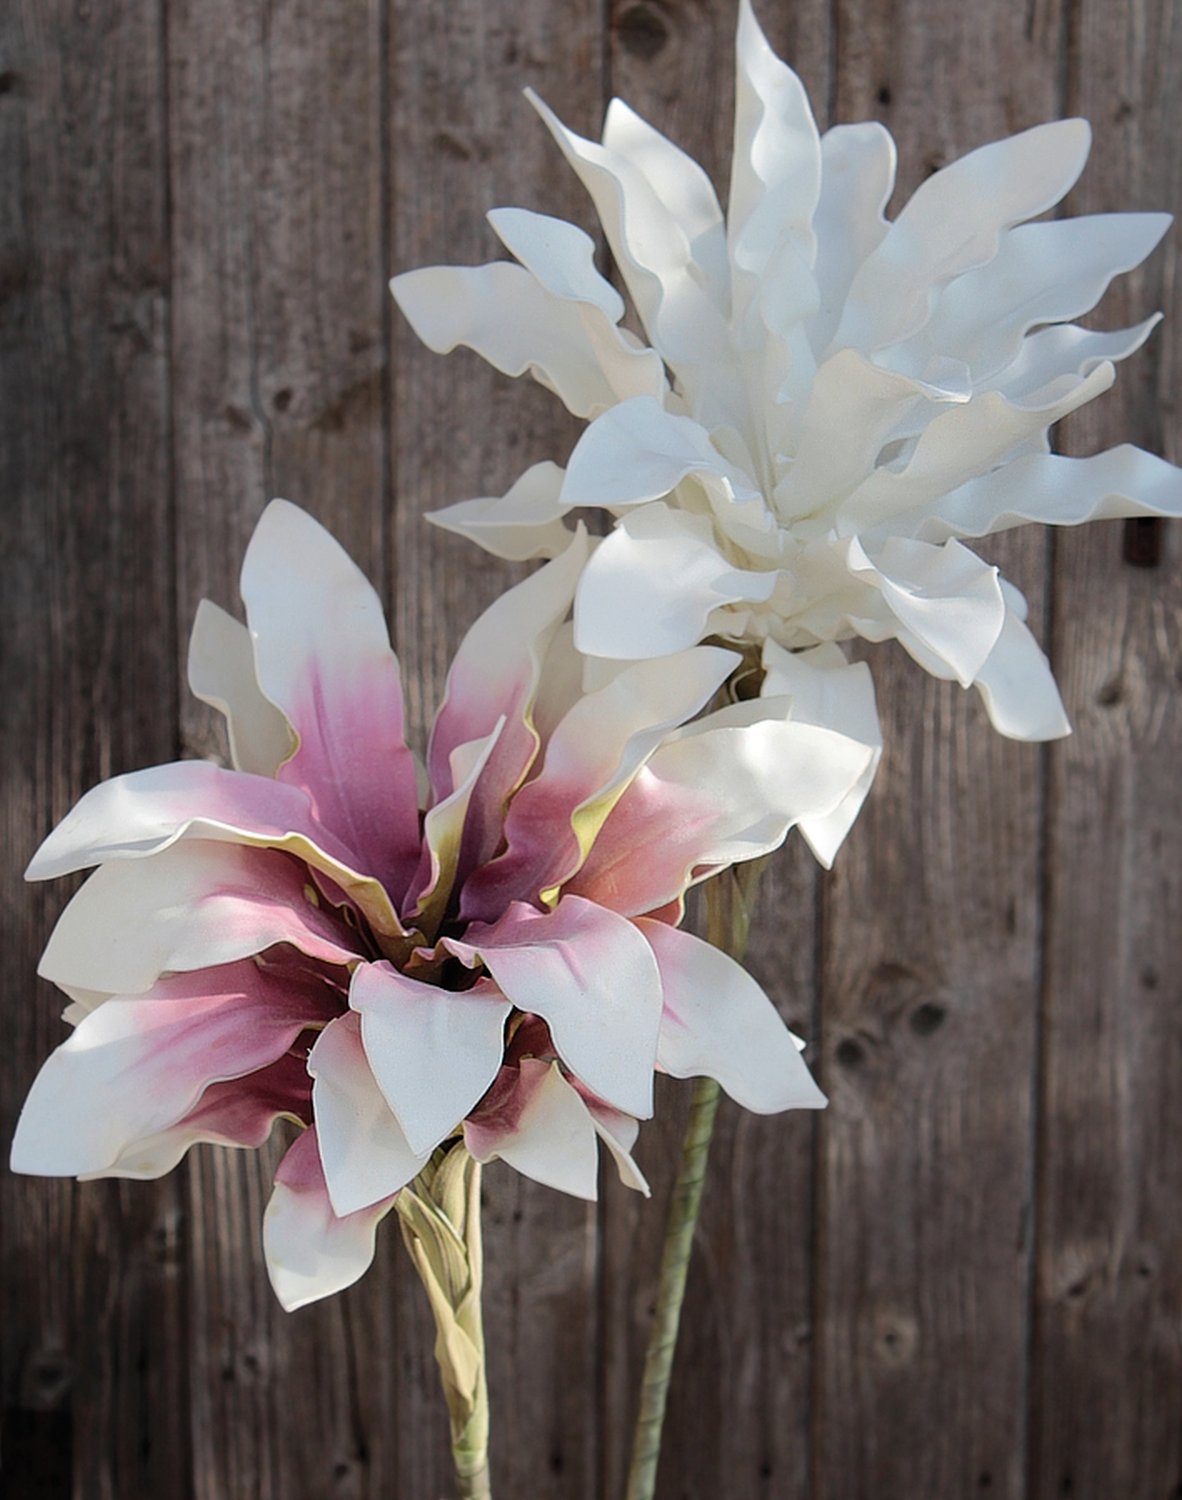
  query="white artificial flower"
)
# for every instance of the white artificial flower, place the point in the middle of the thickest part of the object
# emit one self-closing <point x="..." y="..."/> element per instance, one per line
<point x="830" y="403"/>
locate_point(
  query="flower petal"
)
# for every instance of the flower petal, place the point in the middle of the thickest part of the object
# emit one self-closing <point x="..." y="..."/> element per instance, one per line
<point x="310" y="1252"/>
<point x="221" y="673"/>
<point x="519" y="326"/>
<point x="365" y="1154"/>
<point x="134" y="1067"/>
<point x="857" y="180"/>
<point x="192" y="906"/>
<point x="592" y="978"/>
<point x="541" y="1127"/>
<point x="146" y="812"/>
<point x="650" y="588"/>
<point x="832" y="693"/>
<point x="719" y="1023"/>
<point x="432" y="1052"/>
<point x="1059" y="491"/>
<point x="527" y="521"/>
<point x="322" y="655"/>
<point x="1019" y="689"/>
<point x="239" y="1113"/>
<point x="590" y="756"/>
<point x="954" y="222"/>
<point x="559" y="255"/>
<point x="728" y="789"/>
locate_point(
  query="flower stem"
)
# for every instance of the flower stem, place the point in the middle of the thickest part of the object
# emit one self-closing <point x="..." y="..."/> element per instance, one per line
<point x="728" y="919"/>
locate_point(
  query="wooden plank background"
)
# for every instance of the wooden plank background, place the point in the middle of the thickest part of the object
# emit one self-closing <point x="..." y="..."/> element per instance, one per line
<point x="965" y="1279"/>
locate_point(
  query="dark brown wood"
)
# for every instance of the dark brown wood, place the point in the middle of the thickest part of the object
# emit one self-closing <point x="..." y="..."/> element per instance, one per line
<point x="94" y="1367"/>
<point x="931" y="943"/>
<point x="1108" y="1353"/>
<point x="462" y="141"/>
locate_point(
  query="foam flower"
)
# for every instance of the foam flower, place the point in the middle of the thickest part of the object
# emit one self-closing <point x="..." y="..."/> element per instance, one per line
<point x="829" y="406"/>
<point x="495" y="958"/>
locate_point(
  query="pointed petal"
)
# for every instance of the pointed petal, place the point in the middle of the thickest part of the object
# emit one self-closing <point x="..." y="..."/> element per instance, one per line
<point x="591" y="755"/>
<point x="514" y="322"/>
<point x="366" y="1156"/>
<point x="1058" y="491"/>
<point x="527" y="521"/>
<point x="1067" y="349"/>
<point x="132" y="1068"/>
<point x="857" y="180"/>
<point x="146" y="812"/>
<point x="558" y="255"/>
<point x="832" y="693"/>
<point x="238" y="1113"/>
<point x="776" y="165"/>
<point x="221" y="673"/>
<point x="727" y="790"/>
<point x="323" y="656"/>
<point x="540" y="1126"/>
<point x="432" y="1052"/>
<point x="651" y="587"/>
<point x="592" y="978"/>
<point x="1019" y="689"/>
<point x="618" y="1133"/>
<point x="192" y="906"/>
<point x="954" y="222"/>
<point x="718" y="1022"/>
<point x="310" y="1252"/>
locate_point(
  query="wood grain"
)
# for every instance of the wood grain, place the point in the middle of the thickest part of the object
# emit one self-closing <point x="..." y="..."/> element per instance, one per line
<point x="1108" y="1354"/>
<point x="931" y="943"/>
<point x="95" y="1376"/>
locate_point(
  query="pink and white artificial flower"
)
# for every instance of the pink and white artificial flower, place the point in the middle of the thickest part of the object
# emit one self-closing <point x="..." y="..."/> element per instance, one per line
<point x="829" y="403"/>
<point x="299" y="937"/>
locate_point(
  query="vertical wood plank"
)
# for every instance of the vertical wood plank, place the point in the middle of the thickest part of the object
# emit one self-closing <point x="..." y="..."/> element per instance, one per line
<point x="279" y="318"/>
<point x="1108" y="1359"/>
<point x="931" y="941"/>
<point x="94" y="1374"/>
<point x="739" y="1401"/>
<point x="462" y="141"/>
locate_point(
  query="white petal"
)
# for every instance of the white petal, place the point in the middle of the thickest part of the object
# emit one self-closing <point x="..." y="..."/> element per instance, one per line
<point x="221" y="673"/>
<point x="719" y="1023"/>
<point x="955" y="221"/>
<point x="1059" y="491"/>
<point x="592" y="978"/>
<point x="857" y="180"/>
<point x="192" y="906"/>
<point x="1067" y="348"/>
<point x="832" y="693"/>
<point x="310" y="1252"/>
<point x="527" y="521"/>
<point x="776" y="163"/>
<point x="432" y="1052"/>
<point x="1019" y="689"/>
<point x="366" y="1156"/>
<point x="1043" y="273"/>
<point x="552" y="1141"/>
<point x="618" y="1133"/>
<point x="510" y="319"/>
<point x="559" y="255"/>
<point x="650" y="587"/>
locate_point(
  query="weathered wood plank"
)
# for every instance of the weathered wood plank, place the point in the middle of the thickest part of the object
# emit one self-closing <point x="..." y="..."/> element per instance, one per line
<point x="94" y="1371"/>
<point x="279" y="318"/>
<point x="931" y="943"/>
<point x="739" y="1400"/>
<point x="463" y="141"/>
<point x="1108" y="1357"/>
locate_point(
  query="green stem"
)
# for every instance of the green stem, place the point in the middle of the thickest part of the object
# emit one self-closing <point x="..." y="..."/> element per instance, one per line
<point x="728" y="919"/>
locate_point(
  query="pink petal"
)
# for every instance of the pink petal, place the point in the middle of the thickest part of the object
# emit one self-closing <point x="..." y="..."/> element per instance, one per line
<point x="541" y="1127"/>
<point x="591" y="976"/>
<point x="432" y="1052"/>
<point x="132" y="1068"/>
<point x="323" y="656"/>
<point x="194" y="905"/>
<point x="310" y="1252"/>
<point x="147" y="811"/>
